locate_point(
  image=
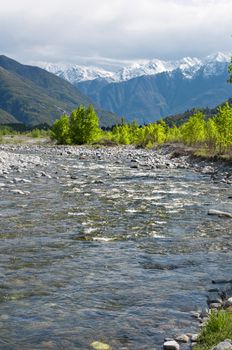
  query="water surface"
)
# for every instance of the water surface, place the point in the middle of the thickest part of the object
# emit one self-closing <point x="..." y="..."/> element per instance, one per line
<point x="100" y="251"/>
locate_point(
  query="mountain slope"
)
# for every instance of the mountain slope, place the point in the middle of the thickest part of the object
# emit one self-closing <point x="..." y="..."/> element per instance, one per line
<point x="34" y="96"/>
<point x="149" y="98"/>
<point x="154" y="89"/>
<point x="6" y="118"/>
<point x="181" y="118"/>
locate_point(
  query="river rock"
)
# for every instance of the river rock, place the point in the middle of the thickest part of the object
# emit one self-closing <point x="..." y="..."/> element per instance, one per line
<point x="214" y="306"/>
<point x="228" y="303"/>
<point x="171" y="345"/>
<point x="16" y="191"/>
<point x="224" y="345"/>
<point x="214" y="298"/>
<point x="194" y="337"/>
<point x="183" y="338"/>
<point x="219" y="213"/>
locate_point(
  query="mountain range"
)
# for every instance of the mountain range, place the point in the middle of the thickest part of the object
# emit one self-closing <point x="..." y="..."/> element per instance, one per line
<point x="150" y="90"/>
<point x="32" y="96"/>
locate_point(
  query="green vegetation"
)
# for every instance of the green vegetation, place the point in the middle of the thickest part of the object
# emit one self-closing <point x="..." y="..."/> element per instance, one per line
<point x="230" y="71"/>
<point x="81" y="127"/>
<point x="217" y="329"/>
<point x="212" y="136"/>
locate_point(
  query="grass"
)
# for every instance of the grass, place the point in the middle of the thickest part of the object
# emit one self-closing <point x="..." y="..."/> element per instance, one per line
<point x="217" y="329"/>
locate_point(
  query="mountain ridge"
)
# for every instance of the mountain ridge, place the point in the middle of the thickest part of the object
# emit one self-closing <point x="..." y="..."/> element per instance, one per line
<point x="188" y="65"/>
<point x="33" y="96"/>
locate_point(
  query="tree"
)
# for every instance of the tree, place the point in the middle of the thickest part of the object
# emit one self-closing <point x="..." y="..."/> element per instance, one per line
<point x="61" y="131"/>
<point x="193" y="131"/>
<point x="84" y="126"/>
<point x="212" y="134"/>
<point x="230" y="71"/>
<point x="223" y="121"/>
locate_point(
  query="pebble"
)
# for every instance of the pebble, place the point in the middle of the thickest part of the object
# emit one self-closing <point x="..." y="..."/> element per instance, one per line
<point x="16" y="191"/>
<point x="228" y="303"/>
<point x="183" y="338"/>
<point x="171" y="345"/>
<point x="194" y="337"/>
<point x="219" y="213"/>
<point x="214" y="306"/>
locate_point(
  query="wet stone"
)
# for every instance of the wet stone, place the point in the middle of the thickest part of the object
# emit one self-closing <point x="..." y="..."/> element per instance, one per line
<point x="171" y="345"/>
<point x="183" y="338"/>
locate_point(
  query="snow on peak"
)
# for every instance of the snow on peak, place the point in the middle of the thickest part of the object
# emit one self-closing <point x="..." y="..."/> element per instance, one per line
<point x="76" y="73"/>
<point x="189" y="66"/>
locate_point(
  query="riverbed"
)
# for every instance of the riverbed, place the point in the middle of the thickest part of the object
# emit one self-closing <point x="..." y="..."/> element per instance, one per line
<point x="111" y="245"/>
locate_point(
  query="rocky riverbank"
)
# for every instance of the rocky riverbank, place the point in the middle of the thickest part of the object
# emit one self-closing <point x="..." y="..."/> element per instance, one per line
<point x="219" y="298"/>
<point x="23" y="157"/>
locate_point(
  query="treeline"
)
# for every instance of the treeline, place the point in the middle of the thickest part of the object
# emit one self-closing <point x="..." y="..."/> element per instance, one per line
<point x="82" y="127"/>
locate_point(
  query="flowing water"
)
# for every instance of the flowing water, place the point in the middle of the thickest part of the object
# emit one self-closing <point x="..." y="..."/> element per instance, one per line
<point x="104" y="252"/>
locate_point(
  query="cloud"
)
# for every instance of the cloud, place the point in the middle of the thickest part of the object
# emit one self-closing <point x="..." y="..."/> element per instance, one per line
<point x="72" y="30"/>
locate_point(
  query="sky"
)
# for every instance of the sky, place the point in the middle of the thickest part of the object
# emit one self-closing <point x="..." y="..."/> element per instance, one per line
<point x="113" y="32"/>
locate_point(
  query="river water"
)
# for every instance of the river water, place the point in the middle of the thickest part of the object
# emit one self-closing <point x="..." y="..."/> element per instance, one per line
<point x="101" y="251"/>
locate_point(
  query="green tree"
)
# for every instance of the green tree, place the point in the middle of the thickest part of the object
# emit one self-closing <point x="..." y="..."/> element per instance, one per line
<point x="84" y="126"/>
<point x="230" y="72"/>
<point x="193" y="131"/>
<point x="60" y="130"/>
<point x="212" y="134"/>
<point x="124" y="134"/>
<point x="223" y="121"/>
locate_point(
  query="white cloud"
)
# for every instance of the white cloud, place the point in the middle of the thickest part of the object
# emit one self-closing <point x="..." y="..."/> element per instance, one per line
<point x="65" y="30"/>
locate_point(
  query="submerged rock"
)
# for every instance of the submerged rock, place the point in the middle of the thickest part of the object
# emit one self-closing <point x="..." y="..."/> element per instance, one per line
<point x="100" y="346"/>
<point x="219" y="213"/>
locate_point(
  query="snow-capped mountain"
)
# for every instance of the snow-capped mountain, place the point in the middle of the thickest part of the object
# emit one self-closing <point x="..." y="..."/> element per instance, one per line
<point x="211" y="65"/>
<point x="76" y="73"/>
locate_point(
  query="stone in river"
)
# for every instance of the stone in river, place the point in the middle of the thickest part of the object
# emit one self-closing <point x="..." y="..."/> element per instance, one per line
<point x="100" y="346"/>
<point x="17" y="192"/>
<point x="183" y="338"/>
<point x="219" y="213"/>
<point x="171" y="345"/>
<point x="228" y="303"/>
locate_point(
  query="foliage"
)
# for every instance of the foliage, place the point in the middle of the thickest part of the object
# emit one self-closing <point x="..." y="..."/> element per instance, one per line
<point x="223" y="122"/>
<point x="193" y="131"/>
<point x="84" y="126"/>
<point x="80" y="128"/>
<point x="230" y="72"/>
<point x="61" y="130"/>
<point x="214" y="134"/>
<point x="217" y="329"/>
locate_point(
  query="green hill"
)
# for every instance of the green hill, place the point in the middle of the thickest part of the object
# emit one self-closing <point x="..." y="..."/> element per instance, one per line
<point x="181" y="118"/>
<point x="32" y="96"/>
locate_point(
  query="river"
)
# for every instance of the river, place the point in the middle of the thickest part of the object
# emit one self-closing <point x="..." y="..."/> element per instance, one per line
<point x="94" y="249"/>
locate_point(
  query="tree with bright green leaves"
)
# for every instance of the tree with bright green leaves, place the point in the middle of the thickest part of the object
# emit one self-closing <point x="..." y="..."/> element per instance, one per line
<point x="212" y="134"/>
<point x="80" y="128"/>
<point x="124" y="134"/>
<point x="223" y="122"/>
<point x="193" y="131"/>
<point x="84" y="126"/>
<point x="230" y="71"/>
<point x="61" y="130"/>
